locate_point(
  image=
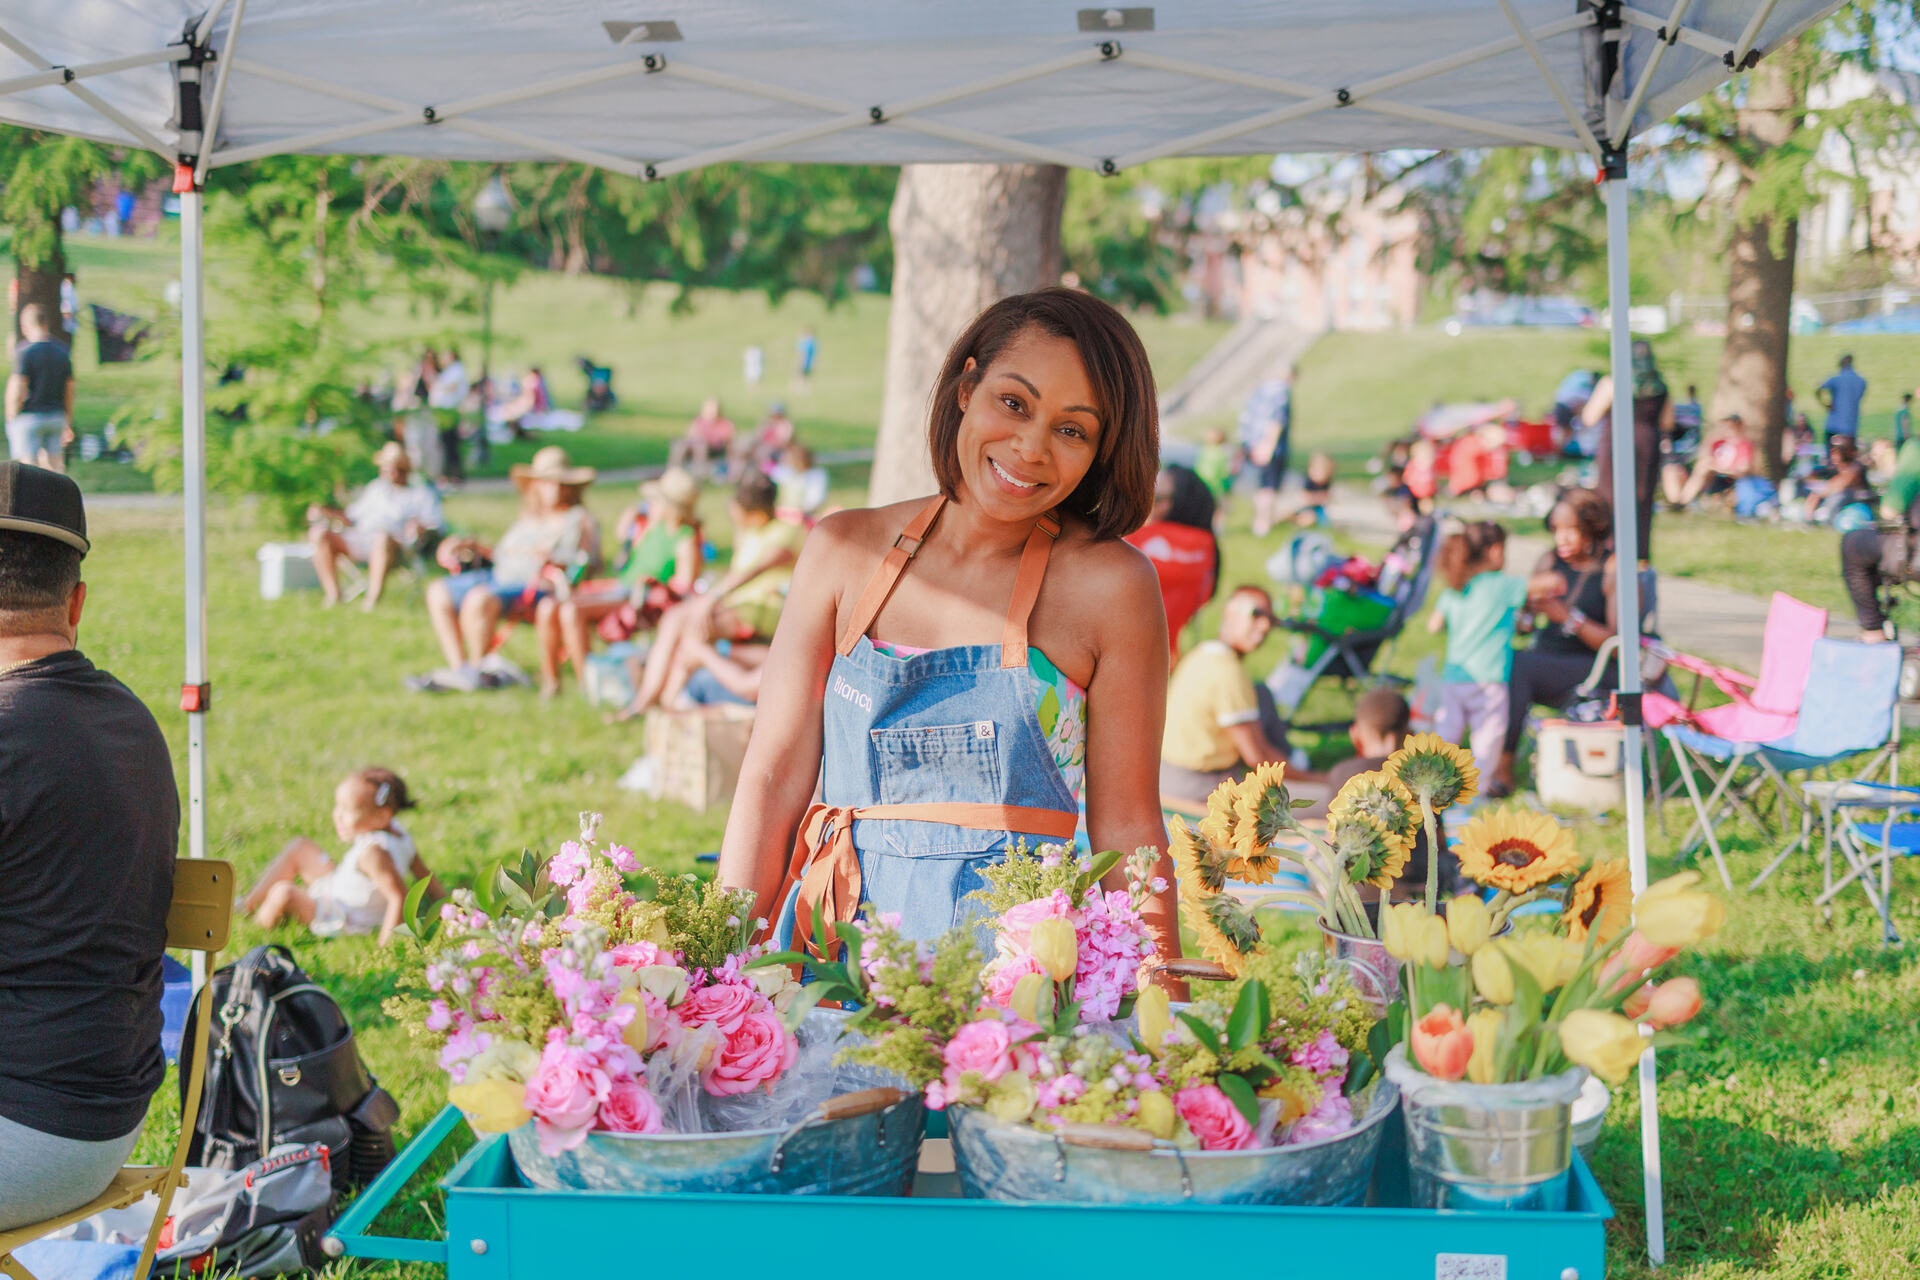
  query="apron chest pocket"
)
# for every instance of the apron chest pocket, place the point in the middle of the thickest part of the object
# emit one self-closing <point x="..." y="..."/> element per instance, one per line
<point x="936" y="763"/>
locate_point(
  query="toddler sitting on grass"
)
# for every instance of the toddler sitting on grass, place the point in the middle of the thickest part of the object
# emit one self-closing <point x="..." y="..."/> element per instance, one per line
<point x="365" y="891"/>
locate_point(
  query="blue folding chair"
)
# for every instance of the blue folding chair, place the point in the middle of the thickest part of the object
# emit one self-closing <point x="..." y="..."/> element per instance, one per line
<point x="1870" y="847"/>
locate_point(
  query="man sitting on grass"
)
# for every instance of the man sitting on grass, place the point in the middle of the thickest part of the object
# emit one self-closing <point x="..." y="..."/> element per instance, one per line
<point x="391" y="517"/>
<point x="89" y="825"/>
<point x="1215" y="730"/>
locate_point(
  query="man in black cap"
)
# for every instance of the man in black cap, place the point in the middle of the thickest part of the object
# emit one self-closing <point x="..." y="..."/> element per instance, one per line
<point x="89" y="828"/>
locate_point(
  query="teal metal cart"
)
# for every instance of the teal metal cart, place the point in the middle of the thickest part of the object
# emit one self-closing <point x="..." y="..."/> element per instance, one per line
<point x="498" y="1228"/>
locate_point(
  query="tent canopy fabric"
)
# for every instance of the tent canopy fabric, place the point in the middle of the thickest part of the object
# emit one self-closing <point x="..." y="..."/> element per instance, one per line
<point x="674" y="86"/>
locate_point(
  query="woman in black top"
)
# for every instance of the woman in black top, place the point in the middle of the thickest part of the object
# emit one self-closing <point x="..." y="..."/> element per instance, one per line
<point x="1572" y="586"/>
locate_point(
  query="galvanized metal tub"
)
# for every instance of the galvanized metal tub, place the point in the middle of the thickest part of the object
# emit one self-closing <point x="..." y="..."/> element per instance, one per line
<point x="1087" y="1164"/>
<point x="1486" y="1147"/>
<point x="1375" y="972"/>
<point x="864" y="1141"/>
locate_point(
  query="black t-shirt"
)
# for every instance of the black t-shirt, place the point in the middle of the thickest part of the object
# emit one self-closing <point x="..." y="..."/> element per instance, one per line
<point x="89" y="828"/>
<point x="47" y="369"/>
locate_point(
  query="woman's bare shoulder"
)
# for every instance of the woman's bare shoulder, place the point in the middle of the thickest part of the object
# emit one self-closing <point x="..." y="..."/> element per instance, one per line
<point x="1109" y="570"/>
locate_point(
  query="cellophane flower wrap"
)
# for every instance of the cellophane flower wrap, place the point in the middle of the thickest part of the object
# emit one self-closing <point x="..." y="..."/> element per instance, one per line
<point x="587" y="993"/>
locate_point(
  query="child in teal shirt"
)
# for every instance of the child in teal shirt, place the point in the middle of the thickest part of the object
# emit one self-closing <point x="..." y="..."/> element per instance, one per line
<point x="1480" y="611"/>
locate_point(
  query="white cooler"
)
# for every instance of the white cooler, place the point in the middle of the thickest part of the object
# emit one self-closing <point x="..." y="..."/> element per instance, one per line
<point x="286" y="566"/>
<point x="1581" y="766"/>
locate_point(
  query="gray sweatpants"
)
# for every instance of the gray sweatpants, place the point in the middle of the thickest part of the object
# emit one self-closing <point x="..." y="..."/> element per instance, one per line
<point x="41" y="1175"/>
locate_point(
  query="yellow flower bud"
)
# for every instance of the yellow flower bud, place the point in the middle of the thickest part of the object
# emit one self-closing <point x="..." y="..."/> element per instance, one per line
<point x="1155" y="1012"/>
<point x="1026" y="996"/>
<point x="1429" y="941"/>
<point x="1054" y="947"/>
<point x="1493" y="975"/>
<point x="1603" y="1042"/>
<point x="1468" y="923"/>
<point x="1539" y="954"/>
<point x="1485" y="1025"/>
<point x="635" y="1032"/>
<point x="1393" y="932"/>
<point x="1013" y="1097"/>
<point x="1157" y="1115"/>
<point x="1673" y="913"/>
<point x="1405" y="932"/>
<point x="491" y="1106"/>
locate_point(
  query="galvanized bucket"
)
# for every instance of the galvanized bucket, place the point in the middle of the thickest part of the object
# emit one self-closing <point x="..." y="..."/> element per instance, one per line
<point x="1375" y="973"/>
<point x="1590" y="1115"/>
<point x="1102" y="1164"/>
<point x="864" y="1141"/>
<point x="1486" y="1147"/>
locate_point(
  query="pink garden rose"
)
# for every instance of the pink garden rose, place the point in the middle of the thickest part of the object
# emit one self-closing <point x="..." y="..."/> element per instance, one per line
<point x="1016" y="923"/>
<point x="629" y="1108"/>
<point x="755" y="1052"/>
<point x="981" y="1047"/>
<point x="1213" y="1118"/>
<point x="1006" y="975"/>
<point x="564" y="1095"/>
<point x="724" y="1004"/>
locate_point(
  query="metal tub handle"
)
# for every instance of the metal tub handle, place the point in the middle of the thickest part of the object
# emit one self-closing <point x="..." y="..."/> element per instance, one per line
<point x="1113" y="1137"/>
<point x="843" y="1107"/>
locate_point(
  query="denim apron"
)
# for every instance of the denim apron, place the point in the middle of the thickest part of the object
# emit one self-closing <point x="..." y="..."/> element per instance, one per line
<point x="933" y="766"/>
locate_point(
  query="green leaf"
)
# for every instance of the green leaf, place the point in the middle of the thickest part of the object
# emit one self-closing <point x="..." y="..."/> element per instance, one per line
<point x="1247" y="1024"/>
<point x="423" y="923"/>
<point x="779" y="957"/>
<point x="1240" y="1093"/>
<point x="1359" y="1073"/>
<point x="1097" y="866"/>
<point x="1205" y="1034"/>
<point x="1125" y="1009"/>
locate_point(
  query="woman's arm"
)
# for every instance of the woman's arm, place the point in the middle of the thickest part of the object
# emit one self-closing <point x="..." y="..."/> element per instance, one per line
<point x="387" y="883"/>
<point x="1599" y="403"/>
<point x="1126" y="714"/>
<point x="782" y="762"/>
<point x="686" y="563"/>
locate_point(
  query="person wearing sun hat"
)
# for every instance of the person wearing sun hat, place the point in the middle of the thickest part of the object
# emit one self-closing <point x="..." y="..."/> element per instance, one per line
<point x="552" y="544"/>
<point x="660" y="559"/>
<point x="393" y="514"/>
<point x="89" y="827"/>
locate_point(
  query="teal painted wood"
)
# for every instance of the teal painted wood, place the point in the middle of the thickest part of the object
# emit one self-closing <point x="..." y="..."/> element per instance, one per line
<point x="349" y="1230"/>
<point x="500" y="1229"/>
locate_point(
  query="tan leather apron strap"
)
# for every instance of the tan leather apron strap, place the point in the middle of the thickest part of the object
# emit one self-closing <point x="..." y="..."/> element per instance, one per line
<point x="1026" y="590"/>
<point x="887" y="576"/>
<point x="826" y="865"/>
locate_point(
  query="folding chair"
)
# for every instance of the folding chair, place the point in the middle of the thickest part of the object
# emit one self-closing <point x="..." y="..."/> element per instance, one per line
<point x="197" y="920"/>
<point x="1870" y="847"/>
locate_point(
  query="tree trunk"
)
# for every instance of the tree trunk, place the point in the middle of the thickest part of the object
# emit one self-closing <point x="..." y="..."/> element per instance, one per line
<point x="964" y="236"/>
<point x="1753" y="364"/>
<point x="40" y="283"/>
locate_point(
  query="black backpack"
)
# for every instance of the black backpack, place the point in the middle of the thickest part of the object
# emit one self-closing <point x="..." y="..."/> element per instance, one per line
<point x="282" y="1067"/>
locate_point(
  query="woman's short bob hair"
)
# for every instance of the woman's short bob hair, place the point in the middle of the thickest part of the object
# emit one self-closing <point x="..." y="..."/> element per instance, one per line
<point x="1591" y="515"/>
<point x="1116" y="495"/>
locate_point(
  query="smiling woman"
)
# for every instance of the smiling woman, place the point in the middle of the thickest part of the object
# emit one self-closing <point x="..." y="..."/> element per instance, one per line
<point x="1014" y="678"/>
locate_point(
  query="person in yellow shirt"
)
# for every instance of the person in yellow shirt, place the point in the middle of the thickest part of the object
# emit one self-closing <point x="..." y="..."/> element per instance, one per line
<point x="742" y="606"/>
<point x="1215" y="726"/>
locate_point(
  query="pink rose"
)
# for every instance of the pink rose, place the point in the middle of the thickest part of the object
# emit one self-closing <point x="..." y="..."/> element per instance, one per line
<point x="980" y="1047"/>
<point x="563" y="1095"/>
<point x="1213" y="1118"/>
<point x="1002" y="979"/>
<point x="724" y="1004"/>
<point x="1016" y="923"/>
<point x="629" y="1108"/>
<point x="754" y="1053"/>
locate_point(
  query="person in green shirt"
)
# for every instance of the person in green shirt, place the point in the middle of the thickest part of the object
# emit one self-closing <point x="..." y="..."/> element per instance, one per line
<point x="1903" y="420"/>
<point x="1214" y="463"/>
<point x="1479" y="611"/>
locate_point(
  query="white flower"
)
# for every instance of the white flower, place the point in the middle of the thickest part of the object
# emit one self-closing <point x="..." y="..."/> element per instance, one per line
<point x="665" y="982"/>
<point x="776" y="983"/>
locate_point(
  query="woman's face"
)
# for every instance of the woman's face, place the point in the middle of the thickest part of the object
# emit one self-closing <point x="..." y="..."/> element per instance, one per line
<point x="1028" y="428"/>
<point x="1570" y="541"/>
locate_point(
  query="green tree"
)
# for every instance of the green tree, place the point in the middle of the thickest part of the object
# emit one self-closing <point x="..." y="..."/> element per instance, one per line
<point x="42" y="174"/>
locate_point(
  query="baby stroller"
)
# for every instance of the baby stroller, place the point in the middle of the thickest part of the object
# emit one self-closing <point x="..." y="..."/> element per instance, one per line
<point x="600" y="395"/>
<point x="1349" y="630"/>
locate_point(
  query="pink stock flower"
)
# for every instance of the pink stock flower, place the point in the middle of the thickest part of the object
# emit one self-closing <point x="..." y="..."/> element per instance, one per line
<point x="623" y="859"/>
<point x="936" y="1093"/>
<point x="755" y="1052"/>
<point x="1215" y="1121"/>
<point x="1324" y="1055"/>
<point x="1334" y="1116"/>
<point x="980" y="1047"/>
<point x="629" y="1108"/>
<point x="439" y="1017"/>
<point x="567" y="866"/>
<point x="724" y="1004"/>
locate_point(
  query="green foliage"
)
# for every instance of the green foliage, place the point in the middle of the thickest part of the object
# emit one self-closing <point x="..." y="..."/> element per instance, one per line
<point x="42" y="173"/>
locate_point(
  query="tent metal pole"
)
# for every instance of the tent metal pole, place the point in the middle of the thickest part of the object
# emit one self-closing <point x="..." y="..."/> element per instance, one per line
<point x="1552" y="81"/>
<point x="64" y="75"/>
<point x="1660" y="48"/>
<point x="193" y="461"/>
<point x="212" y="129"/>
<point x="1689" y="36"/>
<point x="1627" y="596"/>
<point x="134" y="129"/>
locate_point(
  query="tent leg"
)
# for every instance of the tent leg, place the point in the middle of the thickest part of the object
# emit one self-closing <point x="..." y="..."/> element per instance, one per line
<point x="193" y="458"/>
<point x="1627" y="593"/>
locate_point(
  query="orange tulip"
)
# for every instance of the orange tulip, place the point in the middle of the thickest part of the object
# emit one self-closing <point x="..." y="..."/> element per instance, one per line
<point x="1635" y="956"/>
<point x="1442" y="1043"/>
<point x="1636" y="1004"/>
<point x="1674" y="1003"/>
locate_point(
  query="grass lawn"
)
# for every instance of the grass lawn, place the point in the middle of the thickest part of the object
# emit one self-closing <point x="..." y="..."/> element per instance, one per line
<point x="1792" y="1126"/>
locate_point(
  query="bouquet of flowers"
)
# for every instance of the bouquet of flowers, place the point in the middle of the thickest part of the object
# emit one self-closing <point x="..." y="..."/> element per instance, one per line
<point x="584" y="992"/>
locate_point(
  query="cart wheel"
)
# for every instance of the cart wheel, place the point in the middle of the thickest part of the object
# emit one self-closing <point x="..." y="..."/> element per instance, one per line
<point x="1910" y="679"/>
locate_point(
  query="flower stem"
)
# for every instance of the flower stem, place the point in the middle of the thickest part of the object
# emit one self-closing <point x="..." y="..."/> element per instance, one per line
<point x="1433" y="853"/>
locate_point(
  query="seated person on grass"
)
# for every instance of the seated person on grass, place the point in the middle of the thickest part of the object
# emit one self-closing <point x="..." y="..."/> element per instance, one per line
<point x="744" y="605"/>
<point x="89" y="829"/>
<point x="393" y="515"/>
<point x="364" y="891"/>
<point x="1726" y="456"/>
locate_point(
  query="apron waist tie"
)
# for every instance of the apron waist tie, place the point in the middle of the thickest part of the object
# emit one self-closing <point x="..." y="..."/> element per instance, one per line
<point x="827" y="866"/>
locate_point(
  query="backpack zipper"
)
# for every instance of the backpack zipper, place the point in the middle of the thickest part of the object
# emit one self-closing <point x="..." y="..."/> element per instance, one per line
<point x="260" y="1054"/>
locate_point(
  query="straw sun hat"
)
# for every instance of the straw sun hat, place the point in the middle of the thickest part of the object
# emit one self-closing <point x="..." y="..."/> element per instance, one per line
<point x="675" y="487"/>
<point x="392" y="453"/>
<point x="551" y="463"/>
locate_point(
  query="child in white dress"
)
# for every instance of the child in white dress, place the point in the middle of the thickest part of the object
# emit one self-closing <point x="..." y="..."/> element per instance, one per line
<point x="366" y="889"/>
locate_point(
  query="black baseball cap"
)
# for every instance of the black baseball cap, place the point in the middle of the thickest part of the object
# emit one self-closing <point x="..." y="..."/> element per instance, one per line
<point x="35" y="500"/>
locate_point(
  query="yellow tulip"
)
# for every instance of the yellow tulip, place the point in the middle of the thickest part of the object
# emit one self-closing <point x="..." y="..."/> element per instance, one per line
<point x="1411" y="934"/>
<point x="1485" y="1025"/>
<point x="1054" y="947"/>
<point x="1673" y="913"/>
<point x="1026" y="996"/>
<point x="635" y="1032"/>
<point x="491" y="1106"/>
<point x="1393" y="931"/>
<point x="1539" y="954"/>
<point x="1604" y="1043"/>
<point x="1468" y="923"/>
<point x="1429" y="941"/>
<point x="1493" y="975"/>
<point x="1157" y="1115"/>
<point x="1155" y="1012"/>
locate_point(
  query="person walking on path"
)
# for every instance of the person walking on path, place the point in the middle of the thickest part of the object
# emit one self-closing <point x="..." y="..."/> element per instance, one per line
<point x="447" y="394"/>
<point x="1653" y="417"/>
<point x="1842" y="394"/>
<point x="1266" y="433"/>
<point x="40" y="396"/>
<point x="1903" y="421"/>
<point x="89" y="828"/>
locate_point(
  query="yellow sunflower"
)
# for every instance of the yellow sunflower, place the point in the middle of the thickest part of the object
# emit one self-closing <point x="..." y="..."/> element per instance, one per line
<point x="1225" y="930"/>
<point x="1262" y="810"/>
<point x="1371" y="854"/>
<point x="1217" y="826"/>
<point x="1603" y="897"/>
<point x="1380" y="795"/>
<point x="1429" y="765"/>
<point x="1197" y="863"/>
<point x="1516" y="850"/>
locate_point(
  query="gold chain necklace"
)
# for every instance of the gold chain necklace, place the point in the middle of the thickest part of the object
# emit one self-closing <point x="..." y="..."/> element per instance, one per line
<point x="10" y="668"/>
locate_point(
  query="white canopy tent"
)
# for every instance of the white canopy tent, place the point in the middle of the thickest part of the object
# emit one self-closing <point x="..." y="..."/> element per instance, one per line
<point x="660" y="89"/>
